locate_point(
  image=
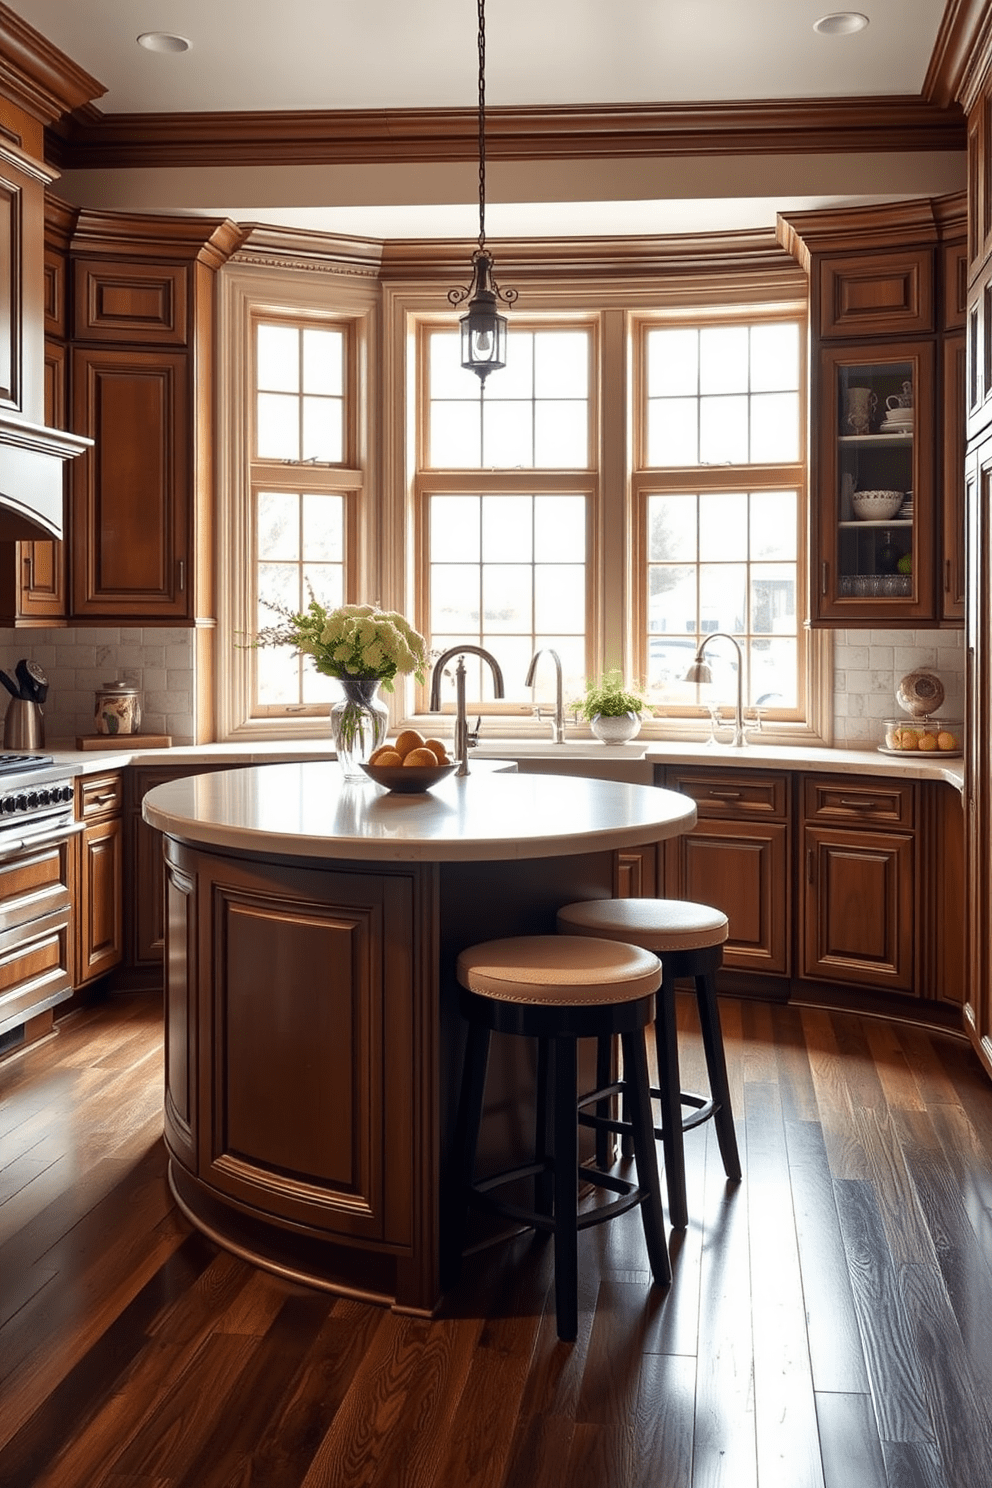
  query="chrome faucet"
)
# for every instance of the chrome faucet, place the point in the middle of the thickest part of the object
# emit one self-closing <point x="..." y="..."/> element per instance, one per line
<point x="700" y="671"/>
<point x="461" y="722"/>
<point x="558" y="723"/>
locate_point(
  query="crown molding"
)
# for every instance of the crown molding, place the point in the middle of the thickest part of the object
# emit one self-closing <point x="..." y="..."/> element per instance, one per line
<point x="207" y="240"/>
<point x="36" y="76"/>
<point x="91" y="140"/>
<point x="845" y="229"/>
<point x="960" y="54"/>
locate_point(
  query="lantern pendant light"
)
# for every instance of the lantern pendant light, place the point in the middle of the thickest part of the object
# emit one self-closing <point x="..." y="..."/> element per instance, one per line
<point x="483" y="329"/>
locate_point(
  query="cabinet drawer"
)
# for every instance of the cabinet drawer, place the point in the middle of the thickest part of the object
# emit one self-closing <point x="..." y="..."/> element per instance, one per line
<point x="732" y="793"/>
<point x="834" y="799"/>
<point x="35" y="882"/>
<point x="34" y="968"/>
<point x="99" y="796"/>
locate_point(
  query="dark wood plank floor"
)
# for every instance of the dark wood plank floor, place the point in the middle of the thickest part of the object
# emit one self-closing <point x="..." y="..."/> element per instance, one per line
<point x="829" y="1324"/>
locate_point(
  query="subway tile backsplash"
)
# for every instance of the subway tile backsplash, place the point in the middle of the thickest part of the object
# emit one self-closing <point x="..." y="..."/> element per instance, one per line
<point x="868" y="665"/>
<point x="78" y="660"/>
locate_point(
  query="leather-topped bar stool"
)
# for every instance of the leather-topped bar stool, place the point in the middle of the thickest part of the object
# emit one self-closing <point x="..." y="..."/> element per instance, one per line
<point x="554" y="990"/>
<point x="689" y="940"/>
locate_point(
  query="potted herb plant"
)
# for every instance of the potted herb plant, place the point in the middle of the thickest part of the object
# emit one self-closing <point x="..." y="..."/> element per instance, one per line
<point x="613" y="710"/>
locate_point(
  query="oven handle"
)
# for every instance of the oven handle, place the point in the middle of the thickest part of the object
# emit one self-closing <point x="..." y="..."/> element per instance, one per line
<point x="43" y="839"/>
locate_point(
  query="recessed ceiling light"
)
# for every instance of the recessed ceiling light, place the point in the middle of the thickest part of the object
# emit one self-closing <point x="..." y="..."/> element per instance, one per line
<point x="162" y="41"/>
<point x="841" y="23"/>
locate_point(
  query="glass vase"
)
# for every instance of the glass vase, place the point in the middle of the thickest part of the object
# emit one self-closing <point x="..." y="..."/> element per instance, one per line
<point x="358" y="726"/>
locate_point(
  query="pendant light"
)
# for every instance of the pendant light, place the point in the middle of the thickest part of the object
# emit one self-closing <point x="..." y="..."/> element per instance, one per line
<point x="483" y="329"/>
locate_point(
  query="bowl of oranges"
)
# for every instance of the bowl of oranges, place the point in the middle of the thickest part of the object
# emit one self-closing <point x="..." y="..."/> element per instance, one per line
<point x="922" y="736"/>
<point x="410" y="763"/>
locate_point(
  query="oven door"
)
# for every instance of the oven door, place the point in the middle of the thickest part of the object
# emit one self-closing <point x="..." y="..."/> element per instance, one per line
<point x="35" y="903"/>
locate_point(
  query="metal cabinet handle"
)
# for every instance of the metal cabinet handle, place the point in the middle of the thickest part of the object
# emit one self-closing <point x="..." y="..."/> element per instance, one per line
<point x="859" y="805"/>
<point x="182" y="575"/>
<point x="102" y="800"/>
<point x="725" y="795"/>
<point x="823" y="578"/>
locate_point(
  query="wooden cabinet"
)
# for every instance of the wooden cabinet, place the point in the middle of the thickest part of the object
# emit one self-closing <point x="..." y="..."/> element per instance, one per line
<point x="886" y="314"/>
<point x="859" y="920"/>
<point x="142" y="349"/>
<point x="737" y="858"/>
<point x="98" y="937"/>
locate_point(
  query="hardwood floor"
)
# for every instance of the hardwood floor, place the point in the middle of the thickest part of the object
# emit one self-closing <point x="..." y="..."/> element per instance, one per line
<point x="829" y="1324"/>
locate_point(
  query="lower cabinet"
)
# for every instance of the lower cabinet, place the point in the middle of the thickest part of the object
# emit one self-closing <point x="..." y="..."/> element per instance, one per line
<point x="98" y="938"/>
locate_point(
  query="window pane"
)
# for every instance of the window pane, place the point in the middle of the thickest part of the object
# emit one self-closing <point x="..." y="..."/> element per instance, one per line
<point x="774" y="427"/>
<point x="773" y="599"/>
<point x="278" y="525"/>
<point x="672" y="599"/>
<point x="773" y="524"/>
<point x="278" y="358"/>
<point x="559" y="597"/>
<point x="561" y="365"/>
<point x="508" y="435"/>
<point x="323" y="528"/>
<point x="517" y="378"/>
<point x="672" y="527"/>
<point x="448" y="378"/>
<point x="561" y="437"/>
<point x="672" y="432"/>
<point x="723" y="359"/>
<point x="323" y="362"/>
<point x="278" y="588"/>
<point x="560" y="529"/>
<point x="277" y="674"/>
<point x="456" y="435"/>
<point x="325" y="581"/>
<point x="774" y="357"/>
<point x="507" y="597"/>
<point x="322" y="431"/>
<point x="455" y="597"/>
<point x="773" y="674"/>
<point x="723" y="431"/>
<point x="455" y="529"/>
<point x="278" y="428"/>
<point x="673" y="363"/>
<point x="507" y="534"/>
<point x="723" y="597"/>
<point x="723" y="527"/>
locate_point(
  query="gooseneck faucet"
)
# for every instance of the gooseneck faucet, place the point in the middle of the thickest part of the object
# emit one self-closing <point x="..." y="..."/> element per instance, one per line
<point x="461" y="722"/>
<point x="558" y="724"/>
<point x="700" y="671"/>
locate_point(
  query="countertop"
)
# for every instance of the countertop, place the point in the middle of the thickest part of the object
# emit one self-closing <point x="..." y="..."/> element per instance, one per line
<point x="307" y="811"/>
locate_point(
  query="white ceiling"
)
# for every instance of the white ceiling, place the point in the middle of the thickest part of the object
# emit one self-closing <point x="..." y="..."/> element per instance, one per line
<point x="380" y="54"/>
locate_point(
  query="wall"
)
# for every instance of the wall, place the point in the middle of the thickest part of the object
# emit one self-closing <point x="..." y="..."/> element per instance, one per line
<point x="868" y="665"/>
<point x="77" y="660"/>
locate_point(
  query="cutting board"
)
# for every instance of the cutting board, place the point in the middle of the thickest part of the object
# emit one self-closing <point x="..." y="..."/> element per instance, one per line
<point x="122" y="742"/>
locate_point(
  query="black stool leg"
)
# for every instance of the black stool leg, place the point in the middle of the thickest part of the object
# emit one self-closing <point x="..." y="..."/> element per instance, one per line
<point x="543" y="1143"/>
<point x="716" y="1065"/>
<point x="635" y="1065"/>
<point x="604" y="1073"/>
<point x="670" y="1090"/>
<point x="566" y="1188"/>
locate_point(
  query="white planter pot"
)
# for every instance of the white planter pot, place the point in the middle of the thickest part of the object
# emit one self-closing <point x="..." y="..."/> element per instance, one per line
<point x="616" y="730"/>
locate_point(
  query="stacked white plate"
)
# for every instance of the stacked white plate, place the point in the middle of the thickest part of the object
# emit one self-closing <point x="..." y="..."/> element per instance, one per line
<point x="898" y="421"/>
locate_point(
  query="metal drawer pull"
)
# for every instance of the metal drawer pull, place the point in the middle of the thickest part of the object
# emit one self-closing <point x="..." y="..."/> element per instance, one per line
<point x="44" y="839"/>
<point x="725" y="795"/>
<point x="860" y="805"/>
<point x="102" y="800"/>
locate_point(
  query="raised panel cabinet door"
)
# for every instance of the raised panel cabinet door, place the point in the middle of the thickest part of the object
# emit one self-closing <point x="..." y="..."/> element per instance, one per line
<point x="741" y="868"/>
<point x="955" y="392"/>
<point x="99" y="935"/>
<point x="635" y="874"/>
<point x="859" y="920"/>
<point x="131" y="492"/>
<point x="877" y="294"/>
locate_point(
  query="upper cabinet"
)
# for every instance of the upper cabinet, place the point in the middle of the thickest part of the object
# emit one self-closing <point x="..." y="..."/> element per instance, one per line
<point x="886" y="516"/>
<point x="141" y="318"/>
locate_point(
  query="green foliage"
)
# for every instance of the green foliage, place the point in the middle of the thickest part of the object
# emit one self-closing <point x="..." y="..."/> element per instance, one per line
<point x="608" y="698"/>
<point x="354" y="642"/>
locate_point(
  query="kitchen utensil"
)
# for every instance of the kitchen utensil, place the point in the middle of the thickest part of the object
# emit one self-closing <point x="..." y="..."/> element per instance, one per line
<point x="118" y="708"/>
<point x="23" y="725"/>
<point x="861" y="406"/>
<point x="11" y="687"/>
<point x="31" y="679"/>
<point x="876" y="506"/>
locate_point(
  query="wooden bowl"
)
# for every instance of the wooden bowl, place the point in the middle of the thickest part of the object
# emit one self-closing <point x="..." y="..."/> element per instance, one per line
<point x="408" y="779"/>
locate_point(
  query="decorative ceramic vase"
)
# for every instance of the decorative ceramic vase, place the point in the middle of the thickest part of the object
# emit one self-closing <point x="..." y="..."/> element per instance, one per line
<point x="358" y="726"/>
<point x="615" y="729"/>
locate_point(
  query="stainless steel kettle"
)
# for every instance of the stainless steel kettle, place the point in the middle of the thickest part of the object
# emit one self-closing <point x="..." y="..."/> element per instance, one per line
<point x="23" y="725"/>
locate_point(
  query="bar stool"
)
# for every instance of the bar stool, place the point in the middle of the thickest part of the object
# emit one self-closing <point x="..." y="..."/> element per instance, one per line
<point x="689" y="939"/>
<point x="546" y="988"/>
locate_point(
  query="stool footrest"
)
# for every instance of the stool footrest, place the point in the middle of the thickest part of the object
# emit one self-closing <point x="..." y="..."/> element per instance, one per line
<point x="629" y="1196"/>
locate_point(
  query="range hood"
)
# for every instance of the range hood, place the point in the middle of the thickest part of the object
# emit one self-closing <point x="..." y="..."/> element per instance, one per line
<point x="32" y="462"/>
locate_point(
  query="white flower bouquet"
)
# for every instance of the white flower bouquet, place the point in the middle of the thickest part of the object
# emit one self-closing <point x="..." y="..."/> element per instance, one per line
<point x="355" y="643"/>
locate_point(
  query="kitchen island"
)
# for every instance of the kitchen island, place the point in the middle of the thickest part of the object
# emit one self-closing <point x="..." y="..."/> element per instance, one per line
<point x="313" y="1041"/>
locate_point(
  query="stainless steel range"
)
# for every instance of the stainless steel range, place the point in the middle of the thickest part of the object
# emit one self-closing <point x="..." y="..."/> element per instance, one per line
<point x="37" y="829"/>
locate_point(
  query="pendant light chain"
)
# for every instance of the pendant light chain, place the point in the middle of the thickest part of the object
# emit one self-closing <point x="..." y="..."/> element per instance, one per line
<point x="482" y="124"/>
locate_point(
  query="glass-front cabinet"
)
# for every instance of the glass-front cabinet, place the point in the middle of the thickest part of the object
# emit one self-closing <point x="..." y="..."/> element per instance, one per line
<point x="872" y="528"/>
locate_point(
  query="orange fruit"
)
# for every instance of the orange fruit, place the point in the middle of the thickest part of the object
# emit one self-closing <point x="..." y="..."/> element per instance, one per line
<point x="928" y="742"/>
<point x="407" y="740"/>
<point x="907" y="739"/>
<point x="385" y="755"/>
<point x="420" y="757"/>
<point x="947" y="740"/>
<point x="439" y="749"/>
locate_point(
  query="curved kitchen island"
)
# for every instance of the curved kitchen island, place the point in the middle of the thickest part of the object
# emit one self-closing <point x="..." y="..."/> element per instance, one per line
<point x="312" y="1035"/>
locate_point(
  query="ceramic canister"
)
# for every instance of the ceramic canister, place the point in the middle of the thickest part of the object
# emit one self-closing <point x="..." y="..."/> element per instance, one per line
<point x="118" y="708"/>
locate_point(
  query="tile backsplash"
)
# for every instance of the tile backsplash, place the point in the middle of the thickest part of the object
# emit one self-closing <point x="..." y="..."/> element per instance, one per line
<point x="868" y="666"/>
<point x="78" y="660"/>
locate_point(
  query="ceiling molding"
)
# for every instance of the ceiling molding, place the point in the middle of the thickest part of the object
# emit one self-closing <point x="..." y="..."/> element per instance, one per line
<point x="206" y="240"/>
<point x="91" y="140"/>
<point x="36" y="76"/>
<point x="959" y="53"/>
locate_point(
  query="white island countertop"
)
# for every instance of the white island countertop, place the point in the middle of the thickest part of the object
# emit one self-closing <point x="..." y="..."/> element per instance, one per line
<point x="308" y="811"/>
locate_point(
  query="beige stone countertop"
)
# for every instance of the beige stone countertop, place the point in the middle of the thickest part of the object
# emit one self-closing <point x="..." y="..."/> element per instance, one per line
<point x="634" y="761"/>
<point x="308" y="811"/>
